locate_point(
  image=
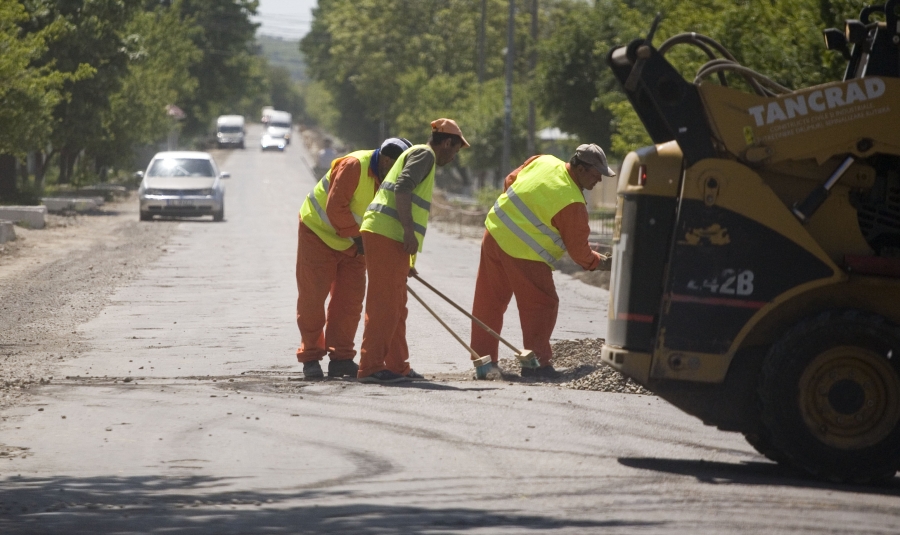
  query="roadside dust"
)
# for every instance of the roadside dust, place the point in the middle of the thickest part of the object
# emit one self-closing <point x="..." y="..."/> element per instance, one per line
<point x="54" y="279"/>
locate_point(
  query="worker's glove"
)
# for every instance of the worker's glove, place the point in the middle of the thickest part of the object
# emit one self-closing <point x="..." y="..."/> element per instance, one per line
<point x="605" y="263"/>
<point x="359" y="245"/>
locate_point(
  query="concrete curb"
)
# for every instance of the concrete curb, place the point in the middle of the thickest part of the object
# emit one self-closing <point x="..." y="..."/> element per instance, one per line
<point x="30" y="216"/>
<point x="7" y="231"/>
<point x="78" y="204"/>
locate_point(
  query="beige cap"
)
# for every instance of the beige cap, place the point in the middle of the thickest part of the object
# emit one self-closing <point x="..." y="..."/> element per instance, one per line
<point x="594" y="156"/>
<point x="448" y="126"/>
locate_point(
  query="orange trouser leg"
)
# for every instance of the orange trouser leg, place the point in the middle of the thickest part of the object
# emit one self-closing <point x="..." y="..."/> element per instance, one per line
<point x="492" y="296"/>
<point x="346" y="306"/>
<point x="322" y="270"/>
<point x="384" y="336"/>
<point x="532" y="284"/>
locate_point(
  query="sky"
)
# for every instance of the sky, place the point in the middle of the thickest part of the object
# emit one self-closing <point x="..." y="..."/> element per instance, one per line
<point x="288" y="19"/>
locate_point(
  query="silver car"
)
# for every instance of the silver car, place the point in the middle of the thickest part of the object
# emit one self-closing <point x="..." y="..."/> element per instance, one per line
<point x="184" y="184"/>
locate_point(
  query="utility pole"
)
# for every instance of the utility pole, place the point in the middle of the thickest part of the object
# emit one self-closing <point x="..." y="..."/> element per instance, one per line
<point x="507" y="102"/>
<point x="532" y="65"/>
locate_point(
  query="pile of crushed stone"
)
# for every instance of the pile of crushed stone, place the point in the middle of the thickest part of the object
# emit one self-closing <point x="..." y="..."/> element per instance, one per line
<point x="581" y="367"/>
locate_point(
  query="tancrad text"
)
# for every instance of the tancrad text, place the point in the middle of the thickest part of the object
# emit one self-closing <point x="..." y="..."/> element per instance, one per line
<point x="818" y="101"/>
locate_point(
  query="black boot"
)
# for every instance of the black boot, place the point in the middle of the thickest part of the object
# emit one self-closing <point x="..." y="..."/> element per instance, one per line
<point x="342" y="368"/>
<point x="312" y="370"/>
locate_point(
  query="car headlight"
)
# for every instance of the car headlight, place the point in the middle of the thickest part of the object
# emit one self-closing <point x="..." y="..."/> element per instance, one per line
<point x="149" y="191"/>
<point x="209" y="191"/>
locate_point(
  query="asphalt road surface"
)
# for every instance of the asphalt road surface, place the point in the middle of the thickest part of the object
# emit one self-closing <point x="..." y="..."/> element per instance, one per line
<point x="180" y="409"/>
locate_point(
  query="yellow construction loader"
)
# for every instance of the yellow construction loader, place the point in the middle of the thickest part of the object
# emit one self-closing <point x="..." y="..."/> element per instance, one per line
<point x="756" y="257"/>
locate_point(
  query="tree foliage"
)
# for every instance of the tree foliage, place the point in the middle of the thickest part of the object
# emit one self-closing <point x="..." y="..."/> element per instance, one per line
<point x="160" y="54"/>
<point x="28" y="92"/>
<point x="227" y="69"/>
<point x="89" y="81"/>
<point x="392" y="66"/>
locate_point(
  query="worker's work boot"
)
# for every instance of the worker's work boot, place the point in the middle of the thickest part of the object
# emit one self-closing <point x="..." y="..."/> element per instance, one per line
<point x="383" y="377"/>
<point x="413" y="375"/>
<point x="544" y="372"/>
<point x="312" y="370"/>
<point x="342" y="368"/>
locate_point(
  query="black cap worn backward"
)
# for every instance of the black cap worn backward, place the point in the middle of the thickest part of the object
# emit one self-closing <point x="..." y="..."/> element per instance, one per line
<point x="594" y="156"/>
<point x="393" y="147"/>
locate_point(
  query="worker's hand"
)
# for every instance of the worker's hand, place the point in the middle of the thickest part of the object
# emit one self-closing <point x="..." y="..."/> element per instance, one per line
<point x="412" y="273"/>
<point x="359" y="246"/>
<point x="605" y="263"/>
<point x="410" y="242"/>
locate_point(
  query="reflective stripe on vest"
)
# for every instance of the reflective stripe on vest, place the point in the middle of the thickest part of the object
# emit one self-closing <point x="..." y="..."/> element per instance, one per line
<point x="521" y="219"/>
<point x="382" y="216"/>
<point x="315" y="215"/>
<point x="422" y="203"/>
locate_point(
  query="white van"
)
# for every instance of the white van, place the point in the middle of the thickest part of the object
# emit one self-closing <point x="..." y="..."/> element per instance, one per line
<point x="230" y="131"/>
<point x="278" y="125"/>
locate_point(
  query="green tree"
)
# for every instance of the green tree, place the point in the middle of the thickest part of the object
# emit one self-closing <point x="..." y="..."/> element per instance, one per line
<point x="573" y="78"/>
<point x="89" y="34"/>
<point x="394" y="65"/>
<point x="28" y="93"/>
<point x="160" y="53"/>
<point x="228" y="70"/>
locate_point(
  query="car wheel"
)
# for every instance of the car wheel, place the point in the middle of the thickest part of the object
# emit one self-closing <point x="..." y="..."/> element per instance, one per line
<point x="146" y="216"/>
<point x="830" y="397"/>
<point x="219" y="216"/>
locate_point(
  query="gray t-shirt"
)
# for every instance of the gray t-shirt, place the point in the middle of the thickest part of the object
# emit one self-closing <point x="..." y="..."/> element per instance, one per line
<point x="418" y="165"/>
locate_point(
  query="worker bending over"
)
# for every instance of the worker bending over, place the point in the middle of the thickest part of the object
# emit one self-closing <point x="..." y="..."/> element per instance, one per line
<point x="541" y="215"/>
<point x="392" y="232"/>
<point x="330" y="257"/>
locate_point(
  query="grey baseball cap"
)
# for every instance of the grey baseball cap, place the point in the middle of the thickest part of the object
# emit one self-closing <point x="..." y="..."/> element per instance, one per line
<point x="594" y="156"/>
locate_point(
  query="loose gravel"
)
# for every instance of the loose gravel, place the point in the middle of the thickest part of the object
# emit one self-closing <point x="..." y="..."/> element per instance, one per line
<point x="54" y="279"/>
<point x="581" y="368"/>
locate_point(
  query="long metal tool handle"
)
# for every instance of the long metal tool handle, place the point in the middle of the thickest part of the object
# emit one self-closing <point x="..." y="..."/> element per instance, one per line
<point x="470" y="316"/>
<point x="807" y="207"/>
<point x="433" y="313"/>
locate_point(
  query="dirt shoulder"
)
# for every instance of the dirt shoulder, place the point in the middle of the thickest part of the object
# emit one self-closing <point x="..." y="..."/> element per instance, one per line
<point x="54" y="279"/>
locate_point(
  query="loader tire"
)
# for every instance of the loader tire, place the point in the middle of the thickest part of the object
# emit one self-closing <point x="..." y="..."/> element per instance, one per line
<point x="830" y="396"/>
<point x="762" y="443"/>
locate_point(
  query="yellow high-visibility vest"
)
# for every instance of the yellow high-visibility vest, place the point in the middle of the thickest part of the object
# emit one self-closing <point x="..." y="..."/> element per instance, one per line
<point x="520" y="220"/>
<point x="382" y="217"/>
<point x="313" y="210"/>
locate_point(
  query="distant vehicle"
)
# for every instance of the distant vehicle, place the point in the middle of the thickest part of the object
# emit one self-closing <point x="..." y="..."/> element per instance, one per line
<point x="269" y="142"/>
<point x="230" y="131"/>
<point x="183" y="184"/>
<point x="278" y="124"/>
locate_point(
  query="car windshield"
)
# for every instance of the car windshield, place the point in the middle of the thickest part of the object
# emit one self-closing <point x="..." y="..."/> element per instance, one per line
<point x="181" y="167"/>
<point x="280" y="125"/>
<point x="227" y="129"/>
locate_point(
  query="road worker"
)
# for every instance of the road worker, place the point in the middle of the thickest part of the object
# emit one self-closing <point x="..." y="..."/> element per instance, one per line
<point x="392" y="233"/>
<point x="541" y="215"/>
<point x="330" y="258"/>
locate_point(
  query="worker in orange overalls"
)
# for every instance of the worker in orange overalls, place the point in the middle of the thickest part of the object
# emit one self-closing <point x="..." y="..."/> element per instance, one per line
<point x="392" y="232"/>
<point x="330" y="258"/>
<point x="541" y="215"/>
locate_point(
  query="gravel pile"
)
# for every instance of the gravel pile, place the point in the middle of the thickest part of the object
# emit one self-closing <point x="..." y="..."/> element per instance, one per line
<point x="583" y="370"/>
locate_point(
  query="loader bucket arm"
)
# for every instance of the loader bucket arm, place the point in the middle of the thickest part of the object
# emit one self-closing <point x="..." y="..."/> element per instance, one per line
<point x="668" y="105"/>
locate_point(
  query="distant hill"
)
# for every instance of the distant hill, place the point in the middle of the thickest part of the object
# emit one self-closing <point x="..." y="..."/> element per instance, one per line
<point x="283" y="53"/>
